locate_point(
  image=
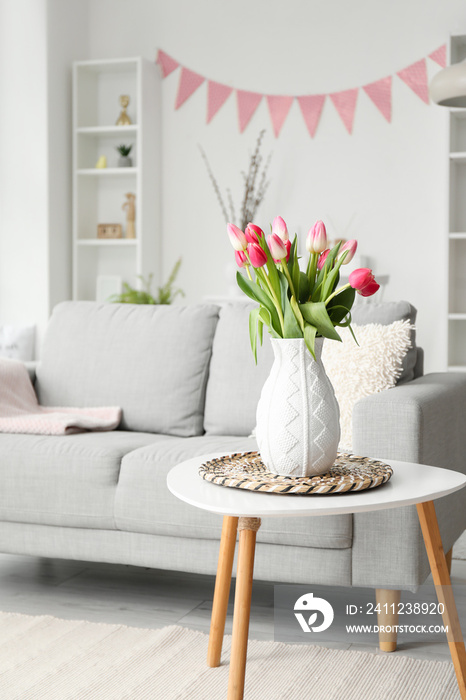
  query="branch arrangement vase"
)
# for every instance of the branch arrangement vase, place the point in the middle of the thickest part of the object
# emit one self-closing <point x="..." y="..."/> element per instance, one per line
<point x="298" y="418"/>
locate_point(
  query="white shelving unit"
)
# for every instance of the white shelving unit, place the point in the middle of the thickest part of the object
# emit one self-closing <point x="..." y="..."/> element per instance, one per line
<point x="456" y="332"/>
<point x="98" y="194"/>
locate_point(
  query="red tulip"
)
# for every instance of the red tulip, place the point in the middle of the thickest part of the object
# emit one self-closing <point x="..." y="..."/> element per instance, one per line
<point x="277" y="247"/>
<point x="237" y="237"/>
<point x="363" y="281"/>
<point x="350" y="246"/>
<point x="241" y="259"/>
<point x="322" y="258"/>
<point x="316" y="241"/>
<point x="257" y="256"/>
<point x="253" y="233"/>
<point x="279" y="228"/>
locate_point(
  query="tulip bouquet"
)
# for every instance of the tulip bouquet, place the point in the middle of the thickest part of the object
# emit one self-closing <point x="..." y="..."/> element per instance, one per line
<point x="294" y="303"/>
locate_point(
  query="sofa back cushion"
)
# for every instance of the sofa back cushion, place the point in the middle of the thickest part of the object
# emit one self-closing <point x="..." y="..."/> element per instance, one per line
<point x="152" y="361"/>
<point x="235" y="383"/>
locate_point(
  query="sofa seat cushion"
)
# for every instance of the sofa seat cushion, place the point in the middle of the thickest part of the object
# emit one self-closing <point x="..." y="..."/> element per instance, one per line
<point x="144" y="504"/>
<point x="152" y="361"/>
<point x="69" y="481"/>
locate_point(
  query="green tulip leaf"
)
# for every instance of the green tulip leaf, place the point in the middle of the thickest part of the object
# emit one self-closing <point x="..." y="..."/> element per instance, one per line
<point x="316" y="314"/>
<point x="340" y="306"/>
<point x="253" y="318"/>
<point x="254" y="292"/>
<point x="291" y="326"/>
<point x="310" y="333"/>
<point x="304" y="288"/>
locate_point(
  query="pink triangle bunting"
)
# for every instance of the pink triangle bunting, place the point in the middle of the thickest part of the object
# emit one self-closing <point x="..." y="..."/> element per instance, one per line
<point x="248" y="102"/>
<point x="166" y="63"/>
<point x="311" y="108"/>
<point x="415" y="77"/>
<point x="380" y="93"/>
<point x="189" y="82"/>
<point x="440" y="55"/>
<point x="279" y="106"/>
<point x="345" y="104"/>
<point x="217" y="95"/>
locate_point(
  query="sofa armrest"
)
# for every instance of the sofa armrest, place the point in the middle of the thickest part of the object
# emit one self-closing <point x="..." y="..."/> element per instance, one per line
<point x="31" y="368"/>
<point x="421" y="421"/>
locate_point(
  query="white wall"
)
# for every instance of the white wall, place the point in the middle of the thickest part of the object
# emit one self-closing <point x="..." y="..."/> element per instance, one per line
<point x="385" y="184"/>
<point x="38" y="41"/>
<point x="23" y="163"/>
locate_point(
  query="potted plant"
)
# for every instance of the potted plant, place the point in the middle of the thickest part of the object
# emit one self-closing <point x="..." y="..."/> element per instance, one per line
<point x="124" y="161"/>
<point x="298" y="428"/>
<point x="166" y="294"/>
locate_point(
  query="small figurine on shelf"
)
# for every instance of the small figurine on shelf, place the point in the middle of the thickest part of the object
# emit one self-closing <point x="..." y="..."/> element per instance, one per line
<point x="123" y="119"/>
<point x="101" y="163"/>
<point x="130" y="215"/>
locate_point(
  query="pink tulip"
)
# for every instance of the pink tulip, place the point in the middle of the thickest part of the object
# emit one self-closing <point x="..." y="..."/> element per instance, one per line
<point x="253" y="233"/>
<point x="241" y="259"/>
<point x="288" y="249"/>
<point x="322" y="258"/>
<point x="277" y="247"/>
<point x="350" y="246"/>
<point x="369" y="289"/>
<point x="316" y="241"/>
<point x="279" y="228"/>
<point x="363" y="281"/>
<point x="237" y="237"/>
<point x="257" y="256"/>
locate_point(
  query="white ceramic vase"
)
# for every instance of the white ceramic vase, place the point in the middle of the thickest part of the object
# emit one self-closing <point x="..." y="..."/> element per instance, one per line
<point x="298" y="419"/>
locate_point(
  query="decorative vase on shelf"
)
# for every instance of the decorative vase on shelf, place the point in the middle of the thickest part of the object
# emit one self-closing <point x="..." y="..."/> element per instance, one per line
<point x="125" y="162"/>
<point x="298" y="418"/>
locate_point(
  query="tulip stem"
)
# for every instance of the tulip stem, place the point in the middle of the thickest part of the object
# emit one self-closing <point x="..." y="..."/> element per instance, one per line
<point x="337" y="291"/>
<point x="249" y="274"/>
<point x="288" y="277"/>
<point x="311" y="270"/>
<point x="261" y="274"/>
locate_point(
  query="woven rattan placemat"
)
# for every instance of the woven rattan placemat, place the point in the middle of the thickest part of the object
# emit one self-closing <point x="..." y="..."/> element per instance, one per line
<point x="245" y="470"/>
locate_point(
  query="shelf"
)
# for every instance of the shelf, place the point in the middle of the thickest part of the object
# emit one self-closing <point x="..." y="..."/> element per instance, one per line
<point x="109" y="65"/>
<point x="107" y="171"/>
<point x="457" y="368"/>
<point x="107" y="241"/>
<point x="458" y="157"/>
<point x="107" y="130"/>
<point x="457" y="236"/>
<point x="457" y="317"/>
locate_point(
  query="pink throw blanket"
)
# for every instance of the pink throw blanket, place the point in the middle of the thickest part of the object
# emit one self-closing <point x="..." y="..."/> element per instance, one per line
<point x="20" y="411"/>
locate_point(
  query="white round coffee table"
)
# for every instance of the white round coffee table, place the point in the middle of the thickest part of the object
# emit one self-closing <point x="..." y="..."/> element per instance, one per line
<point x="411" y="484"/>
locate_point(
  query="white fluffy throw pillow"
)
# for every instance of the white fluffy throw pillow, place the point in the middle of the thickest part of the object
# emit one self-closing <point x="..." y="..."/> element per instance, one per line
<point x="358" y="371"/>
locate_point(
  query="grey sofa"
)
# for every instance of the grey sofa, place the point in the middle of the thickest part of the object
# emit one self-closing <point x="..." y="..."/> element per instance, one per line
<point x="187" y="383"/>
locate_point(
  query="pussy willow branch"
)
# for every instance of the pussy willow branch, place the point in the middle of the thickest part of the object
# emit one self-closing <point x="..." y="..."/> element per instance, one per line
<point x="214" y="183"/>
<point x="254" y="191"/>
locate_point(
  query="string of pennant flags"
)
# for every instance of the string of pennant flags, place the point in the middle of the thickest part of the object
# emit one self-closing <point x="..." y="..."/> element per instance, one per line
<point x="344" y="101"/>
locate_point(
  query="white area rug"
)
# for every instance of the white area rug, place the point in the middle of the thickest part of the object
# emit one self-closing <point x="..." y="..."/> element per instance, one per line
<point x="43" y="658"/>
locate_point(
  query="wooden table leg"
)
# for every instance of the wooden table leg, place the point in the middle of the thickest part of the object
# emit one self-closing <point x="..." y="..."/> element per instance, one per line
<point x="441" y="576"/>
<point x="239" y="644"/>
<point x="222" y="590"/>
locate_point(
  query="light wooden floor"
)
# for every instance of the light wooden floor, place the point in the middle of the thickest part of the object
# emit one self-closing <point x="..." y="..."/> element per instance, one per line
<point x="152" y="598"/>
